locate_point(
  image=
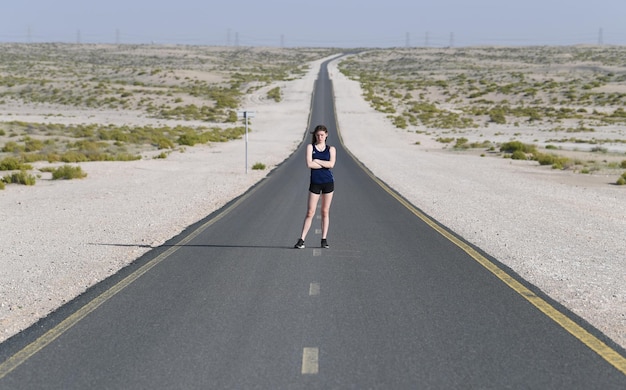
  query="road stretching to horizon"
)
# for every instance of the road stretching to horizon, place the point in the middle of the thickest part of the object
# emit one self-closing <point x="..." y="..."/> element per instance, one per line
<point x="397" y="302"/>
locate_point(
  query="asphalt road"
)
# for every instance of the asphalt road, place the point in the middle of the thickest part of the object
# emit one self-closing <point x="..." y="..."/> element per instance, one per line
<point x="397" y="302"/>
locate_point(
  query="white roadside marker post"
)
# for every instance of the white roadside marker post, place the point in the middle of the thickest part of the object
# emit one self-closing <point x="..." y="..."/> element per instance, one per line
<point x="246" y="114"/>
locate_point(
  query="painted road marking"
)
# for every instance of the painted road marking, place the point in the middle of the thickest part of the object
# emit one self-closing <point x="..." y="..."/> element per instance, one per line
<point x="314" y="289"/>
<point x="609" y="354"/>
<point x="317" y="252"/>
<point x="318" y="231"/>
<point x="310" y="361"/>
<point x="24" y="354"/>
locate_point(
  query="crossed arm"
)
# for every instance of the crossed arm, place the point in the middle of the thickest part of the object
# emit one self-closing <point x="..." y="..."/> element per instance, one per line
<point x="319" y="164"/>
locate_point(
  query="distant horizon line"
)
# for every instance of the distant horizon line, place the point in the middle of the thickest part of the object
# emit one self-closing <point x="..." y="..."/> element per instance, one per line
<point x="407" y="39"/>
<point x="2" y="42"/>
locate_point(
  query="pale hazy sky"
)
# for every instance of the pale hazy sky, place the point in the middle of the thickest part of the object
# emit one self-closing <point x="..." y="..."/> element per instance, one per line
<point x="337" y="23"/>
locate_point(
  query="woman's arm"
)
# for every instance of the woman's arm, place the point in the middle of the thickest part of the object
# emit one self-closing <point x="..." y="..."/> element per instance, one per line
<point x="313" y="164"/>
<point x="327" y="164"/>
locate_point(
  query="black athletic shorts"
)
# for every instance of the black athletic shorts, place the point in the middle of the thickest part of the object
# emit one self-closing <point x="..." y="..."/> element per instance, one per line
<point x="325" y="188"/>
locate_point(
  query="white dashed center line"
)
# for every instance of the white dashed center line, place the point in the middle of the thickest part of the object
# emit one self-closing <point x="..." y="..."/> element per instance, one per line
<point x="314" y="289"/>
<point x="310" y="362"/>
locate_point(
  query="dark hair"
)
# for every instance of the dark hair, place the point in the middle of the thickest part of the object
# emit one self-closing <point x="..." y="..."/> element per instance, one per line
<point x="318" y="128"/>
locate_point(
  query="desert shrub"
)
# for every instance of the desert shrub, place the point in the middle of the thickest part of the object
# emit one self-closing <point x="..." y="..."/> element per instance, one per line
<point x="21" y="177"/>
<point x="461" y="143"/>
<point x="12" y="147"/>
<point x="164" y="143"/>
<point x="444" y="140"/>
<point x="231" y="133"/>
<point x="519" y="155"/>
<point x="32" y="157"/>
<point x="599" y="149"/>
<point x="621" y="180"/>
<point x="513" y="146"/>
<point x="190" y="138"/>
<point x="2" y="185"/>
<point x="497" y="115"/>
<point x="231" y="117"/>
<point x="557" y="162"/>
<point x="33" y="145"/>
<point x="259" y="166"/>
<point x="68" y="172"/>
<point x="400" y="122"/>
<point x="13" y="164"/>
<point x="274" y="93"/>
<point x="73" y="156"/>
<point x="122" y="157"/>
<point x="623" y="164"/>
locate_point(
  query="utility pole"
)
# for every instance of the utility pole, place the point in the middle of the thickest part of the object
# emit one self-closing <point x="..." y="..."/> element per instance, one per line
<point x="600" y="37"/>
<point x="451" y="39"/>
<point x="407" y="42"/>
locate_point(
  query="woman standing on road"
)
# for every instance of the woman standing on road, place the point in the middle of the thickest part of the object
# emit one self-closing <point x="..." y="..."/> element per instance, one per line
<point x="320" y="158"/>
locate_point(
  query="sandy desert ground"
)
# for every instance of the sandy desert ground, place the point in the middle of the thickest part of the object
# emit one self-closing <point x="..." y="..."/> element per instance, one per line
<point x="561" y="230"/>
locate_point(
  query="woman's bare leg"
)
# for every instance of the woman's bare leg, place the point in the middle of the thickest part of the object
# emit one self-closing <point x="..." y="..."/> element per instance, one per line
<point x="326" y="200"/>
<point x="310" y="212"/>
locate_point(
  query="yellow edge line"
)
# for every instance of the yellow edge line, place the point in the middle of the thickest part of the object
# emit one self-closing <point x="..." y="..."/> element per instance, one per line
<point x="25" y="353"/>
<point x="607" y="353"/>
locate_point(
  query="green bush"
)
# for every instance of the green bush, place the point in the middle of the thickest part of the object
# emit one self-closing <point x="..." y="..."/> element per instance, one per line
<point x="623" y="164"/>
<point x="72" y="156"/>
<point x="33" y="145"/>
<point x="513" y="146"/>
<point x="274" y="93"/>
<point x="12" y="147"/>
<point x="21" y="177"/>
<point x="68" y="172"/>
<point x="190" y="138"/>
<point x="519" y="155"/>
<point x="461" y="143"/>
<point x="13" y="164"/>
<point x="400" y="122"/>
<point x="497" y="115"/>
<point x="258" y="166"/>
<point x="164" y="143"/>
<point x="557" y="162"/>
<point x="622" y="180"/>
